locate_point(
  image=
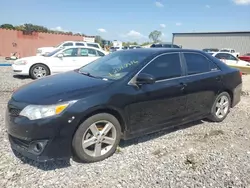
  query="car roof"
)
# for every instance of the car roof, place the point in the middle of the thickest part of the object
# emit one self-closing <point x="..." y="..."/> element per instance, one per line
<point x="79" y="41"/>
<point x="223" y="53"/>
<point x="82" y="47"/>
<point x="164" y="50"/>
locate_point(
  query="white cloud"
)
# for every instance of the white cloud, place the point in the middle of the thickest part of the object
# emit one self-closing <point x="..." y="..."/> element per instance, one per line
<point x="208" y="6"/>
<point x="162" y="25"/>
<point x="178" y="24"/>
<point x="242" y="2"/>
<point x="58" y="28"/>
<point x="102" y="30"/>
<point x="159" y="4"/>
<point x="134" y="34"/>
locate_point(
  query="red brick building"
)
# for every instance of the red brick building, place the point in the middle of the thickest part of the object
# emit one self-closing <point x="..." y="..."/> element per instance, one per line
<point x="27" y="44"/>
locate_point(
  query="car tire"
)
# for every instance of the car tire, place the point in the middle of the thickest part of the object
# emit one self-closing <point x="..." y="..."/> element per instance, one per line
<point x="88" y="134"/>
<point x="220" y="109"/>
<point x="43" y="71"/>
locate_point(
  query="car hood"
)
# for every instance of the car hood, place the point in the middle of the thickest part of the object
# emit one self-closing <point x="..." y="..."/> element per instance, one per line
<point x="31" y="58"/>
<point x="60" y="87"/>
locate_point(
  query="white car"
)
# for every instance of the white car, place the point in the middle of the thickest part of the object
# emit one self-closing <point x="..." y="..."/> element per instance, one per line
<point x="229" y="50"/>
<point x="229" y="59"/>
<point x="60" y="60"/>
<point x="46" y="50"/>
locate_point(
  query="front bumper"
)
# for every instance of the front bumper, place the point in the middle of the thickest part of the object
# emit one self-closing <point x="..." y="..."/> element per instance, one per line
<point x="20" y="69"/>
<point x="40" y="140"/>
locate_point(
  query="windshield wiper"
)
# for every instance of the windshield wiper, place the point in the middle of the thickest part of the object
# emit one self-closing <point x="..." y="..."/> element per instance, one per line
<point x="90" y="75"/>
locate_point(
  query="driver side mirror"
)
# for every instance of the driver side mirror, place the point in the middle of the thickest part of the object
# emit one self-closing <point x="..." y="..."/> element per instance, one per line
<point x="144" y="78"/>
<point x="60" y="55"/>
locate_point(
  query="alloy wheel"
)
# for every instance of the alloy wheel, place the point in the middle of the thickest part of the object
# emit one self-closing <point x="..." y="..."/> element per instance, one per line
<point x="222" y="107"/>
<point x="99" y="138"/>
<point x="39" y="72"/>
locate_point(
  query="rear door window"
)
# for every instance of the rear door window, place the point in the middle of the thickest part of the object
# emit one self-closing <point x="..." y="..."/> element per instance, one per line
<point x="197" y="63"/>
<point x="68" y="44"/>
<point x="80" y="44"/>
<point x="93" y="45"/>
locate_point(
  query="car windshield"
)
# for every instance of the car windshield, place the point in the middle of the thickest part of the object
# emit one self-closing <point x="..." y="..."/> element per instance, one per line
<point x="52" y="53"/>
<point x="115" y="65"/>
<point x="58" y="45"/>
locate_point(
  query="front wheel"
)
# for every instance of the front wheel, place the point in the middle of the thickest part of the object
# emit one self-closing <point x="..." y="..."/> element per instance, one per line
<point x="39" y="71"/>
<point x="221" y="107"/>
<point x="97" y="138"/>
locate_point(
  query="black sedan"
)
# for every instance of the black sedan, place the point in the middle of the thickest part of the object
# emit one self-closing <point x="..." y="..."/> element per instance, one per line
<point x="85" y="112"/>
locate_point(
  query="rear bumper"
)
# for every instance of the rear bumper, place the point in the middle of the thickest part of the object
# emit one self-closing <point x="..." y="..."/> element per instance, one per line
<point x="236" y="95"/>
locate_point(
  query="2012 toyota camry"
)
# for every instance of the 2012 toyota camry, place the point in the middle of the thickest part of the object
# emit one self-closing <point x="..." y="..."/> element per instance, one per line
<point x="85" y="112"/>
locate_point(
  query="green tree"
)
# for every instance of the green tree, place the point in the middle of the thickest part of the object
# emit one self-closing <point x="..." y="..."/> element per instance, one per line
<point x="7" y="26"/>
<point x="155" y="35"/>
<point x="98" y="39"/>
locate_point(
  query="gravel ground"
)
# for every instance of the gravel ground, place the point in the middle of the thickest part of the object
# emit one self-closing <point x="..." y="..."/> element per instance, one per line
<point x="205" y="155"/>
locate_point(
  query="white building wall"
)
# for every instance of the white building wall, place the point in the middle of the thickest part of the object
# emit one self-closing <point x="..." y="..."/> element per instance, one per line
<point x="238" y="41"/>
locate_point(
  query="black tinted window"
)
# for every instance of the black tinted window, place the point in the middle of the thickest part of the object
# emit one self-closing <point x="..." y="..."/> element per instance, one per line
<point x="80" y="44"/>
<point x="93" y="45"/>
<point x="164" y="67"/>
<point x="68" y="44"/>
<point x="100" y="53"/>
<point x="197" y="63"/>
<point x="156" y="46"/>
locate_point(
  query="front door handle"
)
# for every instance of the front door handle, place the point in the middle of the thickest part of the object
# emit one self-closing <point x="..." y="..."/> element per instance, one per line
<point x="183" y="85"/>
<point x="218" y="78"/>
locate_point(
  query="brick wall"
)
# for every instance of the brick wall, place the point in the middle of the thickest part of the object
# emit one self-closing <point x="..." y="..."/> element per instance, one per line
<point x="15" y="41"/>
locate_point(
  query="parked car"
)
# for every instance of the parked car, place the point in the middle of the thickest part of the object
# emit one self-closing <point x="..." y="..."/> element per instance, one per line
<point x="85" y="112"/>
<point x="45" y="50"/>
<point x="164" y="45"/>
<point x="60" y="60"/>
<point x="116" y="48"/>
<point x="134" y="47"/>
<point x="210" y="50"/>
<point x="229" y="50"/>
<point x="230" y="59"/>
<point x="245" y="57"/>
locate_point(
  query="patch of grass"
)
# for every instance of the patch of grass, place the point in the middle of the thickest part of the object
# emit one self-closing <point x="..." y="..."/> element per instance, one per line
<point x="118" y="150"/>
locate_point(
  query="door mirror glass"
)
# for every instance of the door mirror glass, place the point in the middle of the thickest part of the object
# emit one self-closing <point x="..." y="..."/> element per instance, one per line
<point x="60" y="55"/>
<point x="144" y="78"/>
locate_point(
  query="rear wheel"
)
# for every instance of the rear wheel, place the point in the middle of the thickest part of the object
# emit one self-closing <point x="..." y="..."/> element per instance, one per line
<point x="39" y="71"/>
<point x="221" y="107"/>
<point x="97" y="138"/>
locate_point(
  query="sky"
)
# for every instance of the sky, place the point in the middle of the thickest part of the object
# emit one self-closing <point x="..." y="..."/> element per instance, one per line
<point x="130" y="20"/>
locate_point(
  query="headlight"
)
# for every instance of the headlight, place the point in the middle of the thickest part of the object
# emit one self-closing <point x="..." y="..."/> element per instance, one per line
<point x="34" y="112"/>
<point x="20" y="62"/>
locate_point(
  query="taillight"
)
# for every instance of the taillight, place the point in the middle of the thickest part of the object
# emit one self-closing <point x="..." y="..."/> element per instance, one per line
<point x="240" y="74"/>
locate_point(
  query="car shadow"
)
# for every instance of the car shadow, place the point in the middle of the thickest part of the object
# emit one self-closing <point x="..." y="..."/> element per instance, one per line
<point x="21" y="77"/>
<point x="151" y="136"/>
<point x="58" y="164"/>
<point x="45" y="166"/>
